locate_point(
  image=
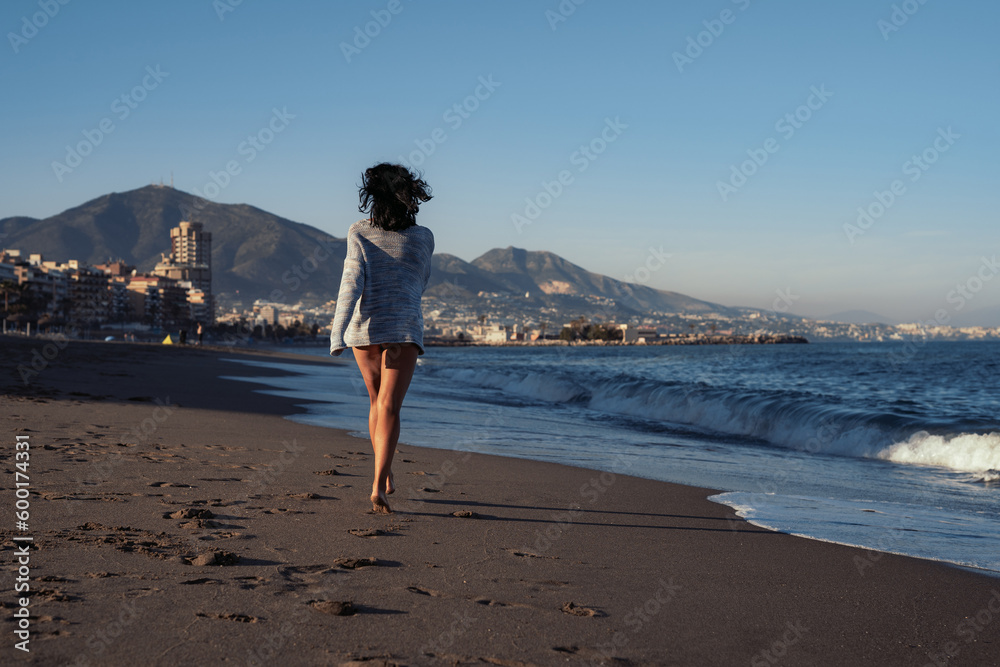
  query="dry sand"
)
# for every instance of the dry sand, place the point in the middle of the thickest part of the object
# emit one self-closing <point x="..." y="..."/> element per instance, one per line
<point x="178" y="519"/>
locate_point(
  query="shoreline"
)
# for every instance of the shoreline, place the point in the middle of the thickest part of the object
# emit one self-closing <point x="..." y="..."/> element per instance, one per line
<point x="560" y="563"/>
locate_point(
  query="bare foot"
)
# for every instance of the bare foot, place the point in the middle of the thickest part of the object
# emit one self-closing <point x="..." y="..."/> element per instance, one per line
<point x="380" y="505"/>
<point x="390" y="487"/>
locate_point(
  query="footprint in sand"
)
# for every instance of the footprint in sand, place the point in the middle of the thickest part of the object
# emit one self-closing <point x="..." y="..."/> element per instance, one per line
<point x="190" y="513"/>
<point x="493" y="603"/>
<point x="355" y="563"/>
<point x="365" y="532"/>
<point x="219" y="558"/>
<point x="249" y="582"/>
<point x="305" y="575"/>
<point x="229" y="616"/>
<point x="547" y="585"/>
<point x="54" y="595"/>
<point x="528" y="554"/>
<point x="91" y="525"/>
<point x="579" y="610"/>
<point x="201" y="580"/>
<point x="333" y="607"/>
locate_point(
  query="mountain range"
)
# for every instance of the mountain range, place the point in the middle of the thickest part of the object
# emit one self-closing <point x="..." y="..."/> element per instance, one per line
<point x="262" y="255"/>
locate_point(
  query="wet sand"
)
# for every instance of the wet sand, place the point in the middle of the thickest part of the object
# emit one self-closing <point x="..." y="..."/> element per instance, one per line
<point x="179" y="519"/>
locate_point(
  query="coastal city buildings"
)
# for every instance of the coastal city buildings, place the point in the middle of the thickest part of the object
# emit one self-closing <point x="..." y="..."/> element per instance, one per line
<point x="177" y="294"/>
<point x="73" y="294"/>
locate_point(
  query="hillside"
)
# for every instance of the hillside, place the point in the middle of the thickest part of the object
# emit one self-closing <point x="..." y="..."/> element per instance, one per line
<point x="253" y="251"/>
<point x="548" y="276"/>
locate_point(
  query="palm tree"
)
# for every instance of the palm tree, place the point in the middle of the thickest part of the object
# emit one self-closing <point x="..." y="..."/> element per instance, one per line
<point x="7" y="287"/>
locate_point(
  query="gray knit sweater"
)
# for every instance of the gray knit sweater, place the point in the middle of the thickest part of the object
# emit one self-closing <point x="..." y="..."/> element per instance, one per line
<point x="385" y="274"/>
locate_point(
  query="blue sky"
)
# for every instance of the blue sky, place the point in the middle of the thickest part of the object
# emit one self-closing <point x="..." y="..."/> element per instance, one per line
<point x="865" y="89"/>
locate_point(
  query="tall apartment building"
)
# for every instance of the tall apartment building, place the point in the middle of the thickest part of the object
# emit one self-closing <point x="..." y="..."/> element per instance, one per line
<point x="190" y="261"/>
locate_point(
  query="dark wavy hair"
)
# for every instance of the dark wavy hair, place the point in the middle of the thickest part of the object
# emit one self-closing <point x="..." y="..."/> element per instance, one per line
<point x="392" y="194"/>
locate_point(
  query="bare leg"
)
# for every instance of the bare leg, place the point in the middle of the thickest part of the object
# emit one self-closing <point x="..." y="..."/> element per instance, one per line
<point x="387" y="374"/>
<point x="376" y="362"/>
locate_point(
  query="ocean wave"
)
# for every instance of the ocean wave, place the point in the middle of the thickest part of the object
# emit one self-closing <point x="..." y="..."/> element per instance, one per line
<point x="793" y="420"/>
<point x="538" y="386"/>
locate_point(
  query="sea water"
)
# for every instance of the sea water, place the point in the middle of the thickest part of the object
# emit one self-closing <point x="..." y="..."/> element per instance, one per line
<point x="887" y="446"/>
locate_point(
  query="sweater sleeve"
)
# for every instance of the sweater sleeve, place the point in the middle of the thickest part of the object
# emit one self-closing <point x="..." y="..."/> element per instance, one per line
<point x="352" y="284"/>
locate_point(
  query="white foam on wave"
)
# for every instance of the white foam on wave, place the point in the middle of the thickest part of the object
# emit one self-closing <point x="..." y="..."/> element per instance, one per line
<point x="966" y="452"/>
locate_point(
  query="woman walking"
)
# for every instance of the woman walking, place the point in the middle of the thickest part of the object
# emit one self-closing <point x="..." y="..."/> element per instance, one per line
<point x="378" y="312"/>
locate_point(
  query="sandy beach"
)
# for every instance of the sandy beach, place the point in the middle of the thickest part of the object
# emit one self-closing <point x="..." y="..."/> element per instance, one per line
<point x="178" y="519"/>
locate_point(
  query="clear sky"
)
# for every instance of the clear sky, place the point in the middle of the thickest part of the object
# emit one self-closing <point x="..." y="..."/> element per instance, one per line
<point x="817" y="106"/>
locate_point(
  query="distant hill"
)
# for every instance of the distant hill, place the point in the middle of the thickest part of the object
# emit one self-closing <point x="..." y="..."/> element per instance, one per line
<point x="549" y="278"/>
<point x="265" y="256"/>
<point x="859" y="317"/>
<point x="253" y="251"/>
